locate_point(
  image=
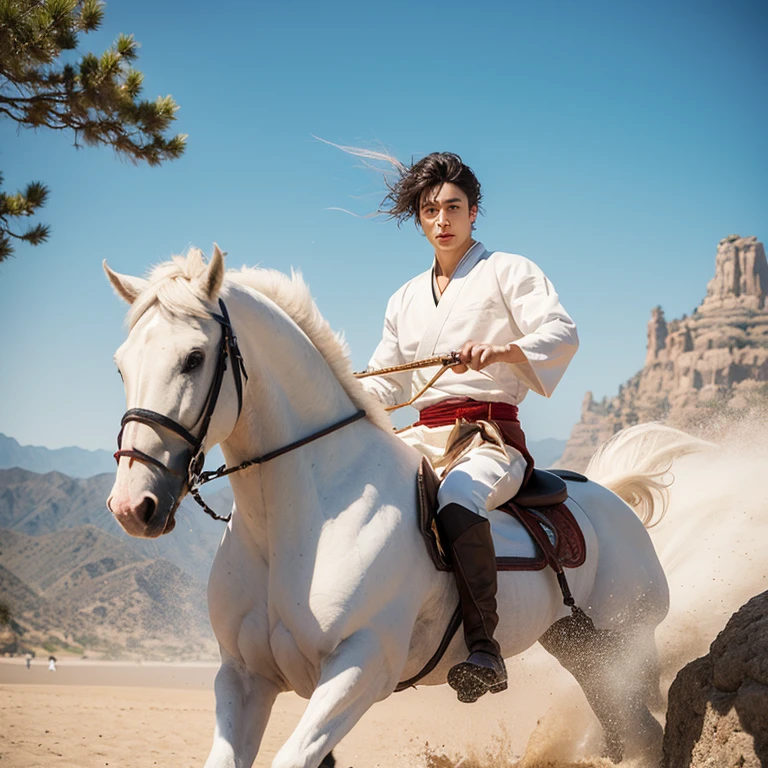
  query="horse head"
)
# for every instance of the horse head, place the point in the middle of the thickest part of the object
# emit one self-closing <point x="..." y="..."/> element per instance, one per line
<point x="179" y="401"/>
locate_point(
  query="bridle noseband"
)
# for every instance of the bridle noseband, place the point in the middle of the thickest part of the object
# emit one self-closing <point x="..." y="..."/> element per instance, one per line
<point x="195" y="477"/>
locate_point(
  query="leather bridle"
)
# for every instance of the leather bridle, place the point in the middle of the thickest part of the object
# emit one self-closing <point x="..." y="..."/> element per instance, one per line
<point x="195" y="477"/>
<point x="227" y="348"/>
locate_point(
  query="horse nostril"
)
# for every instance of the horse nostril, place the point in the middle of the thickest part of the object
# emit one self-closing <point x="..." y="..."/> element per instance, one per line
<point x="146" y="510"/>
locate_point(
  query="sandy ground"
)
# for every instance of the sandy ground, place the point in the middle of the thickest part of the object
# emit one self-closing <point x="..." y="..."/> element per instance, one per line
<point x="94" y="714"/>
<point x="91" y="714"/>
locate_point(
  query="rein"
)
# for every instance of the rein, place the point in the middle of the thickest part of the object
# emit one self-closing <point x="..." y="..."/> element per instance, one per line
<point x="445" y="361"/>
<point x="228" y="348"/>
<point x="224" y="470"/>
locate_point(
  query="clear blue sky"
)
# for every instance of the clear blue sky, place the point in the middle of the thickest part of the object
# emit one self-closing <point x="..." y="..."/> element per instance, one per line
<point x="616" y="144"/>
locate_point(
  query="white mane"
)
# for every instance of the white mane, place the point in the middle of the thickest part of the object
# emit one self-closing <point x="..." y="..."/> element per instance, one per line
<point x="293" y="296"/>
<point x="174" y="287"/>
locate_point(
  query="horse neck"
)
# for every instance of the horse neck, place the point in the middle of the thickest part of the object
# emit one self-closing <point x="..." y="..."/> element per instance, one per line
<point x="291" y="393"/>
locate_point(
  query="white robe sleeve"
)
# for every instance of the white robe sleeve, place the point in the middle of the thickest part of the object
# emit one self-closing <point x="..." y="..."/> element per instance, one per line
<point x="394" y="388"/>
<point x="549" y="339"/>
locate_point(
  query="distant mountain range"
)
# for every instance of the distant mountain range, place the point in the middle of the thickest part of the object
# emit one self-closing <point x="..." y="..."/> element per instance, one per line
<point x="547" y="452"/>
<point x="82" y="590"/>
<point x="75" y="462"/>
<point x="75" y="581"/>
<point x="36" y="504"/>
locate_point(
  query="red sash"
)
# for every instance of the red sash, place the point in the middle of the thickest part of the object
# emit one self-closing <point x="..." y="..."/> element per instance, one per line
<point x="445" y="413"/>
<point x="503" y="415"/>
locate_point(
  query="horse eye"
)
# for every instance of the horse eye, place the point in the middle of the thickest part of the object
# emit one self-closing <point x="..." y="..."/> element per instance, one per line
<point x="120" y="374"/>
<point x="194" y="360"/>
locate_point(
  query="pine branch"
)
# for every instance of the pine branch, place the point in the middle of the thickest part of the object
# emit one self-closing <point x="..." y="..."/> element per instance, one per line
<point x="97" y="99"/>
<point x="34" y="236"/>
<point x="23" y="205"/>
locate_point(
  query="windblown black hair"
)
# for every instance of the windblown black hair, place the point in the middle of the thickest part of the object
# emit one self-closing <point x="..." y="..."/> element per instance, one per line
<point x="431" y="172"/>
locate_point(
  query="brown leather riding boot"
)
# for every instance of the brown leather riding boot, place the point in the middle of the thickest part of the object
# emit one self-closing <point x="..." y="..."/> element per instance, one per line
<point x="474" y="562"/>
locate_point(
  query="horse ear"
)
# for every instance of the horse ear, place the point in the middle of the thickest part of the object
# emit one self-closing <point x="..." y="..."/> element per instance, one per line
<point x="214" y="275"/>
<point x="126" y="287"/>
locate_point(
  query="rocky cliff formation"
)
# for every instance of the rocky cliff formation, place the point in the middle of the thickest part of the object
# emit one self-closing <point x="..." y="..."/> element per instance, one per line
<point x="698" y="369"/>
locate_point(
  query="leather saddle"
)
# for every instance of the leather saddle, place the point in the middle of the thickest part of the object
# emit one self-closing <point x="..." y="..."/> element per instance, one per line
<point x="539" y="506"/>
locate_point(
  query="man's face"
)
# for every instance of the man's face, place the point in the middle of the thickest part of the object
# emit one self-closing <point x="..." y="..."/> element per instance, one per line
<point x="446" y="218"/>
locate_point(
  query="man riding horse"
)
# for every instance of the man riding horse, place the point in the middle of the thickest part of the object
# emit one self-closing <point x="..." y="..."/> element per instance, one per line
<point x="503" y="314"/>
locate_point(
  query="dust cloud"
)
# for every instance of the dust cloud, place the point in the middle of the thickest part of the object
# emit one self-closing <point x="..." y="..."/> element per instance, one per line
<point x="711" y="543"/>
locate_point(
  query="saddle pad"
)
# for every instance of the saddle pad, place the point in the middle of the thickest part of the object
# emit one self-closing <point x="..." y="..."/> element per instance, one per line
<point x="559" y="541"/>
<point x="525" y="539"/>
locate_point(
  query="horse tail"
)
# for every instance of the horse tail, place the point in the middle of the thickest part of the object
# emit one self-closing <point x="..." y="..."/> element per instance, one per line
<point x="635" y="464"/>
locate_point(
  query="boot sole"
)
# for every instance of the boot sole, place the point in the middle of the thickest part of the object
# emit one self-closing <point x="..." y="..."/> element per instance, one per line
<point x="470" y="682"/>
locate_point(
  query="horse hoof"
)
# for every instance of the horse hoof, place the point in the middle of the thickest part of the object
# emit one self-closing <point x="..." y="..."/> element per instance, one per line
<point x="329" y="761"/>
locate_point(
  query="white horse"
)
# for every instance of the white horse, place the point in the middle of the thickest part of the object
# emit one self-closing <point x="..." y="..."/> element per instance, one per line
<point x="322" y="584"/>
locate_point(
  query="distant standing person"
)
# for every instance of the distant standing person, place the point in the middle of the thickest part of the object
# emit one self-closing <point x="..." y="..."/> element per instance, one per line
<point x="51" y="663"/>
<point x="28" y="658"/>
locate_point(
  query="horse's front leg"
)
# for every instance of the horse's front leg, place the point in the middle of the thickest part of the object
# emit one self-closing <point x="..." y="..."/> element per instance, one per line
<point x="243" y="704"/>
<point x="352" y="679"/>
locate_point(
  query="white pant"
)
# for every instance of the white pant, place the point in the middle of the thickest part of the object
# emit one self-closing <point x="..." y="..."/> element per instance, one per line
<point x="482" y="480"/>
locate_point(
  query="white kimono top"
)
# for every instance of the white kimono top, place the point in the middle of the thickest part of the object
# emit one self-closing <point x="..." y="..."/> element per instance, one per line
<point x="493" y="298"/>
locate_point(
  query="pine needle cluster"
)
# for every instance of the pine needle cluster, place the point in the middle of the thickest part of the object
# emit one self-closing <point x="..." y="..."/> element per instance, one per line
<point x="97" y="98"/>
